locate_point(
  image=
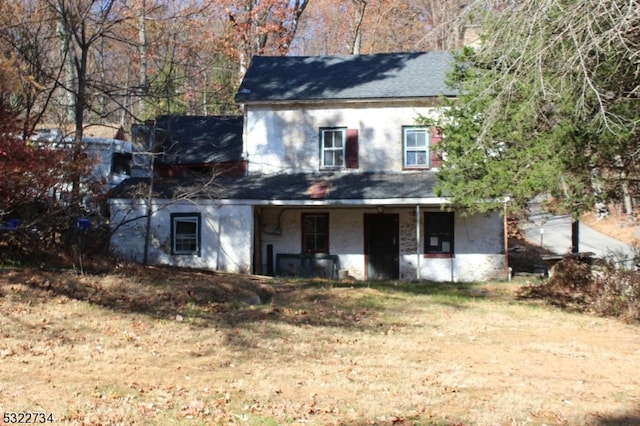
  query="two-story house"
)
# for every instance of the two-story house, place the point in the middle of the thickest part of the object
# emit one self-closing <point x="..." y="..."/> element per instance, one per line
<point x="339" y="181"/>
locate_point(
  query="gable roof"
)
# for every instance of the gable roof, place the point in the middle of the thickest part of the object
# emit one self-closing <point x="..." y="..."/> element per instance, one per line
<point x="354" y="77"/>
<point x="298" y="188"/>
<point x="200" y="139"/>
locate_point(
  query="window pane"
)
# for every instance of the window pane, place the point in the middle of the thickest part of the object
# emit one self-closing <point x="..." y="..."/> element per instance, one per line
<point x="412" y="140"/>
<point x="327" y="140"/>
<point x="312" y="243"/>
<point x="338" y="158"/>
<point x="333" y="158"/>
<point x="416" y="137"/>
<point x="186" y="244"/>
<point x="320" y="243"/>
<point x="183" y="227"/>
<point x="309" y="223"/>
<point x="417" y="158"/>
<point x="411" y="158"/>
<point x="321" y="224"/>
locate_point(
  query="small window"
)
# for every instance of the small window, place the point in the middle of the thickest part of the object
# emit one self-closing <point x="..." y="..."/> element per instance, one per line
<point x="438" y="233"/>
<point x="415" y="141"/>
<point x="332" y="147"/>
<point x="315" y="233"/>
<point x="121" y="164"/>
<point x="185" y="233"/>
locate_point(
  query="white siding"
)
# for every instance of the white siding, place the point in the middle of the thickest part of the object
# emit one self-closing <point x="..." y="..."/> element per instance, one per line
<point x="226" y="234"/>
<point x="479" y="243"/>
<point x="286" y="139"/>
<point x="479" y="251"/>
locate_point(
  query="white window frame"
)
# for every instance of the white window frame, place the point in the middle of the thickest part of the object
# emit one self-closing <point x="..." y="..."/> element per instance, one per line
<point x="417" y="149"/>
<point x="330" y="153"/>
<point x="178" y="240"/>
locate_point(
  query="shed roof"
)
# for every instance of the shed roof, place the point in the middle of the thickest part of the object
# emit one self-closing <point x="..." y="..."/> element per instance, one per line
<point x="200" y="139"/>
<point x="356" y="77"/>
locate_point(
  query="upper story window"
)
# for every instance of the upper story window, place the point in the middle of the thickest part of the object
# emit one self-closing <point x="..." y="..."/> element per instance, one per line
<point x="417" y="147"/>
<point x="333" y="142"/>
<point x="338" y="148"/>
<point x="185" y="233"/>
<point x="121" y="163"/>
<point x="415" y="141"/>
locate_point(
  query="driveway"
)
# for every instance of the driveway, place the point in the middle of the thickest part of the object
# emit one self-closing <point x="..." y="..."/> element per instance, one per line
<point x="553" y="232"/>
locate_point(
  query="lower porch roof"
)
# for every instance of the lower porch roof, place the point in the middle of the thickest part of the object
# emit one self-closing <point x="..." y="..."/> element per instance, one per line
<point x="294" y="188"/>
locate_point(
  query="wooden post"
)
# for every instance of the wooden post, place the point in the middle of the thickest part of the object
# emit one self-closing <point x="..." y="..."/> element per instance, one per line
<point x="505" y="231"/>
<point x="575" y="236"/>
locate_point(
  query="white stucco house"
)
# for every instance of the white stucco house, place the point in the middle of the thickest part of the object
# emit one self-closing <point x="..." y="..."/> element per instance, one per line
<point x="337" y="180"/>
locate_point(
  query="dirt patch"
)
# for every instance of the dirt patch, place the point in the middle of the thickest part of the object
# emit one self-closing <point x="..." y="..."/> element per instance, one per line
<point x="159" y="346"/>
<point x="616" y="225"/>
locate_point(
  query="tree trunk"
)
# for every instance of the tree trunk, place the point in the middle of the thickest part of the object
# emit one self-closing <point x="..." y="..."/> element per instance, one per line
<point x="142" y="51"/>
<point x="627" y="199"/>
<point x="357" y="38"/>
<point x="63" y="34"/>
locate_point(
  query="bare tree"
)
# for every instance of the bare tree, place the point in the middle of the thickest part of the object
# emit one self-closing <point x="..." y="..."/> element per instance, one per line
<point x="361" y="7"/>
<point x="372" y="26"/>
<point x="264" y="27"/>
<point x="82" y="24"/>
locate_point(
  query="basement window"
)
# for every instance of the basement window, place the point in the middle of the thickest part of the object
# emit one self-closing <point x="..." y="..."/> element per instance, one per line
<point x="185" y="234"/>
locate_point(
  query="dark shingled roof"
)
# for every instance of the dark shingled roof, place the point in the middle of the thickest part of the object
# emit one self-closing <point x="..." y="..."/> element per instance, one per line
<point x="355" y="77"/>
<point x="200" y="139"/>
<point x="330" y="187"/>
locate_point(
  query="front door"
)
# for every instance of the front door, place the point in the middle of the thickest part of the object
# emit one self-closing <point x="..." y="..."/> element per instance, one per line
<point x="381" y="246"/>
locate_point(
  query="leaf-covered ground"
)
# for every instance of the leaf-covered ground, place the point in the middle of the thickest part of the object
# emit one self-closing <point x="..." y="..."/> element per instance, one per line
<point x="167" y="346"/>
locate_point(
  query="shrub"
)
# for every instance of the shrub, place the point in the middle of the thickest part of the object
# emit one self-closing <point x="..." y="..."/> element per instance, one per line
<point x="600" y="289"/>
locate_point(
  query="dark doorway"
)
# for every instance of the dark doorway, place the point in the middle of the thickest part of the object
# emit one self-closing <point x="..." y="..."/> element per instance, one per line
<point x="381" y="246"/>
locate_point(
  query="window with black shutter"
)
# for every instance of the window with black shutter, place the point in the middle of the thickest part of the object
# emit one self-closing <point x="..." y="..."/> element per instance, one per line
<point x="420" y="147"/>
<point x="338" y="148"/>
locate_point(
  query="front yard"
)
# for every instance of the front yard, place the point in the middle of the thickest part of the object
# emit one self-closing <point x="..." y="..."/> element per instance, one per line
<point x="164" y="346"/>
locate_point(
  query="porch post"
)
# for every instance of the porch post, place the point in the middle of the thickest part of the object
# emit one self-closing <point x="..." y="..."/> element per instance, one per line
<point x="418" y="274"/>
<point x="506" y="241"/>
<point x="575" y="236"/>
<point x="257" y="241"/>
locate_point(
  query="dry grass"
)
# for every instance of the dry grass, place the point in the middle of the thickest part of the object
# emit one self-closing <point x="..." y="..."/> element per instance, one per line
<point x="616" y="225"/>
<point x="160" y="346"/>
